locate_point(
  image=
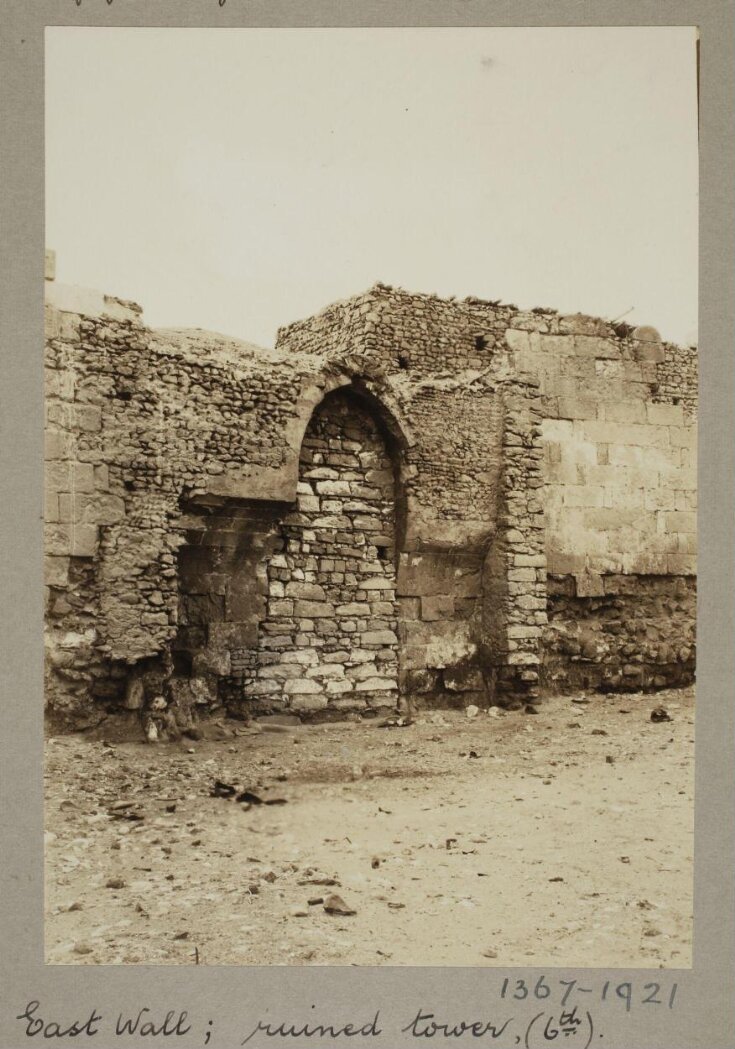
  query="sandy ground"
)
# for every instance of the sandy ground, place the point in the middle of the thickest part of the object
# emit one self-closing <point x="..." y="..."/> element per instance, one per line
<point x="564" y="838"/>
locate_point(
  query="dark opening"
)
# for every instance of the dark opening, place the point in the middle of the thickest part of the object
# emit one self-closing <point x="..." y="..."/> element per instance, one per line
<point x="403" y="361"/>
<point x="480" y="342"/>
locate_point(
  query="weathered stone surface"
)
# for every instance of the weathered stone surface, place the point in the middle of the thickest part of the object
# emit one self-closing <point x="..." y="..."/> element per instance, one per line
<point x="631" y="637"/>
<point x="442" y="479"/>
<point x="298" y="686"/>
<point x="378" y="637"/>
<point x="376" y="684"/>
<point x="439" y="606"/>
<point x="463" y="679"/>
<point x="313" y="609"/>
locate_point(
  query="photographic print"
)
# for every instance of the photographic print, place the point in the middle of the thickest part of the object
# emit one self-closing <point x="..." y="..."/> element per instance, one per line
<point x="371" y="496"/>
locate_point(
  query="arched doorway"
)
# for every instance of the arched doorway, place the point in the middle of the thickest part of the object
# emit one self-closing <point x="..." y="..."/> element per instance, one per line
<point x="329" y="641"/>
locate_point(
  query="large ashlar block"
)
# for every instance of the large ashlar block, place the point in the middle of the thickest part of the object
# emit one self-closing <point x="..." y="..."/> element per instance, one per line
<point x="657" y="460"/>
<point x="583" y="495"/>
<point x="609" y="476"/>
<point x="409" y="608"/>
<point x="549" y="373"/>
<point x="561" y="474"/>
<point x="378" y="638"/>
<point x="627" y="433"/>
<point x="560" y="430"/>
<point x="608" y="370"/>
<point x="58" y="444"/>
<point x="438" y="606"/>
<point x="612" y="518"/>
<point x="56" y="571"/>
<point x="645" y="563"/>
<point x="314" y="609"/>
<point x="625" y="412"/>
<point x="84" y="539"/>
<point x="376" y="684"/>
<point x="678" y="521"/>
<point x="662" y="497"/>
<point x="443" y="643"/>
<point x="323" y="671"/>
<point x="559" y="562"/>
<point x="82" y="477"/>
<point x="624" y="495"/>
<point x="577" y="406"/>
<point x="597" y="348"/>
<point x="589" y="584"/>
<point x="57" y="540"/>
<point x="552" y="452"/>
<point x="377" y="583"/>
<point x="233" y="635"/>
<point x="302" y="686"/>
<point x="681" y="564"/>
<point x="59" y="384"/>
<point x="665" y="414"/>
<point x="91" y="508"/>
<point x="87" y="417"/>
<point x="683" y="437"/>
<point x="420" y="575"/>
<point x="305" y="591"/>
<point x="69" y="327"/>
<point x="631" y="540"/>
<point x="51" y="507"/>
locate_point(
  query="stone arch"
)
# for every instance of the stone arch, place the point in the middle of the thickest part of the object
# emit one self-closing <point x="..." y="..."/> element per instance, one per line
<point x="329" y="640"/>
<point x="364" y="387"/>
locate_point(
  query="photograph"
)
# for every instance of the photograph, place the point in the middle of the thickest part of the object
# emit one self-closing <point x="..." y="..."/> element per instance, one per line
<point x="370" y="514"/>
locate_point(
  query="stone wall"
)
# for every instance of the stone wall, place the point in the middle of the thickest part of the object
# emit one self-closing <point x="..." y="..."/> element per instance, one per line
<point x="638" y="633"/>
<point x="620" y="497"/>
<point x="382" y="500"/>
<point x="329" y="638"/>
<point x="471" y="579"/>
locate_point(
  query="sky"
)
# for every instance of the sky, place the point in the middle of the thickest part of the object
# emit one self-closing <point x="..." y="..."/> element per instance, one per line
<point x="239" y="179"/>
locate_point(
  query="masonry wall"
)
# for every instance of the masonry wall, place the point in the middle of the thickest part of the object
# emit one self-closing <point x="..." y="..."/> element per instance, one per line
<point x="329" y="638"/>
<point x="532" y="476"/>
<point x="141" y="427"/>
<point x="620" y="446"/>
<point x="471" y="571"/>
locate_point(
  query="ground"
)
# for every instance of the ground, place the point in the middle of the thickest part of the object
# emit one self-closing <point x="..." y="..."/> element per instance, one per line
<point x="564" y="838"/>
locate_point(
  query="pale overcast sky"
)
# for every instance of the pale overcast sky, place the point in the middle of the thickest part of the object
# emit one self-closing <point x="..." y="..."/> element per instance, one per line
<point x="237" y="180"/>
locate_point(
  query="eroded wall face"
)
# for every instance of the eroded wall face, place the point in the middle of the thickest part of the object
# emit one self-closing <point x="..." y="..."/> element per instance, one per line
<point x="639" y="633"/>
<point x="328" y="638"/>
<point x="619" y="438"/>
<point x="541" y="532"/>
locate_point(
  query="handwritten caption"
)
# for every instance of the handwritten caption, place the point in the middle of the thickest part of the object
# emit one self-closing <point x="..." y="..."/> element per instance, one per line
<point x="518" y="1019"/>
<point x="220" y="3"/>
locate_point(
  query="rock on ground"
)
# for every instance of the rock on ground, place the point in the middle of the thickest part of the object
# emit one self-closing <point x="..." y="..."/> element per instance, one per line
<point x="567" y="840"/>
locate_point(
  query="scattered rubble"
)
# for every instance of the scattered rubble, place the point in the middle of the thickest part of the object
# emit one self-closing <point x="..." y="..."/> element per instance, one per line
<point x="424" y="848"/>
<point x="334" y="904"/>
